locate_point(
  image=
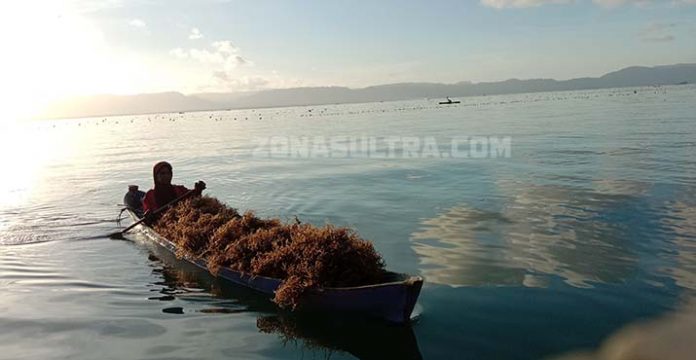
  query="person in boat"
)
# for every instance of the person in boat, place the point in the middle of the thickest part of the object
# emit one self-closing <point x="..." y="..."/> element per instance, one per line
<point x="164" y="192"/>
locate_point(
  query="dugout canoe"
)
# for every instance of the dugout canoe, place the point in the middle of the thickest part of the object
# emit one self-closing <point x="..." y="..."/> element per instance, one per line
<point x="392" y="300"/>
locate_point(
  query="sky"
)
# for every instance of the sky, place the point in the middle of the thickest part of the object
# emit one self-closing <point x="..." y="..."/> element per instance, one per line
<point x="54" y="49"/>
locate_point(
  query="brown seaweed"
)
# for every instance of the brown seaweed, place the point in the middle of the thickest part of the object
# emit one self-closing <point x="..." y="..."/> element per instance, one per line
<point x="305" y="257"/>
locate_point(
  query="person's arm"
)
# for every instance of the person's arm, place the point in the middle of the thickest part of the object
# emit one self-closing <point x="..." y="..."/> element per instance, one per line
<point x="197" y="189"/>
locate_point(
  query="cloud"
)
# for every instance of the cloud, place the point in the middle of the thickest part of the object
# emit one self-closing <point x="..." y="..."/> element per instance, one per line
<point x="225" y="47"/>
<point x="178" y="53"/>
<point x="506" y="4"/>
<point x="617" y="3"/>
<point x="220" y="53"/>
<point x="664" y="38"/>
<point x="240" y="60"/>
<point x="195" y="34"/>
<point x="503" y="4"/>
<point x="138" y="23"/>
<point x="656" y="26"/>
<point x="92" y="6"/>
<point x="642" y="3"/>
<point x="245" y="83"/>
<point x="657" y="32"/>
<point x="222" y="60"/>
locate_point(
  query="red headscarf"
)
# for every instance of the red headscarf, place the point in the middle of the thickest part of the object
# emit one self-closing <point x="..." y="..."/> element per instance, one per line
<point x="164" y="193"/>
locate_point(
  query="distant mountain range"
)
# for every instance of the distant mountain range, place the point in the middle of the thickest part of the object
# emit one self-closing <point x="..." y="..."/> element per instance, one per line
<point x="103" y="105"/>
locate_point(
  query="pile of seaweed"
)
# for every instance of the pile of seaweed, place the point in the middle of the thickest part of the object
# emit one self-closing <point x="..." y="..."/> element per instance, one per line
<point x="304" y="256"/>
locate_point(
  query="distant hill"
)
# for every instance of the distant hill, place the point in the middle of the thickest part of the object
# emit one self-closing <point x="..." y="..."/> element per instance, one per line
<point x="105" y="105"/>
<point x="102" y="105"/>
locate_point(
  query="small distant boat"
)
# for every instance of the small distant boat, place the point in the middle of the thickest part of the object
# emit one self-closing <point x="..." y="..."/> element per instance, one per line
<point x="449" y="101"/>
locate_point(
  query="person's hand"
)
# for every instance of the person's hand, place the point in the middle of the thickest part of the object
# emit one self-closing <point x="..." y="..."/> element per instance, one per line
<point x="199" y="186"/>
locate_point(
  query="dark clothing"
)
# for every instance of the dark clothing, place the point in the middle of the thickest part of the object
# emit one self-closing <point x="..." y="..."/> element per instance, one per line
<point x="160" y="196"/>
<point x="165" y="192"/>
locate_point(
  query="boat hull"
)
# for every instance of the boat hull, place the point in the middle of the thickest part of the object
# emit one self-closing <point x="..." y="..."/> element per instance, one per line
<point x="392" y="300"/>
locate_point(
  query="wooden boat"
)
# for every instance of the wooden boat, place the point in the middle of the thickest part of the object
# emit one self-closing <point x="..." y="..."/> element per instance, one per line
<point x="393" y="299"/>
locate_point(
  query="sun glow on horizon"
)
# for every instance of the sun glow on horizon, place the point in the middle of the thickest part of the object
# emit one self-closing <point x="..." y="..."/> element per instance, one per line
<point x="54" y="52"/>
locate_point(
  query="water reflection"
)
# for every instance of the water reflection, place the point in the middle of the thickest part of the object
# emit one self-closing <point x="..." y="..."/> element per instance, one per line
<point x="319" y="334"/>
<point x="669" y="336"/>
<point x="362" y="338"/>
<point x="682" y="220"/>
<point x="533" y="232"/>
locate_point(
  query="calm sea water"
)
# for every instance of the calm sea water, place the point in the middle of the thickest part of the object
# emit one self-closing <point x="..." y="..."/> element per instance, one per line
<point x="587" y="226"/>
